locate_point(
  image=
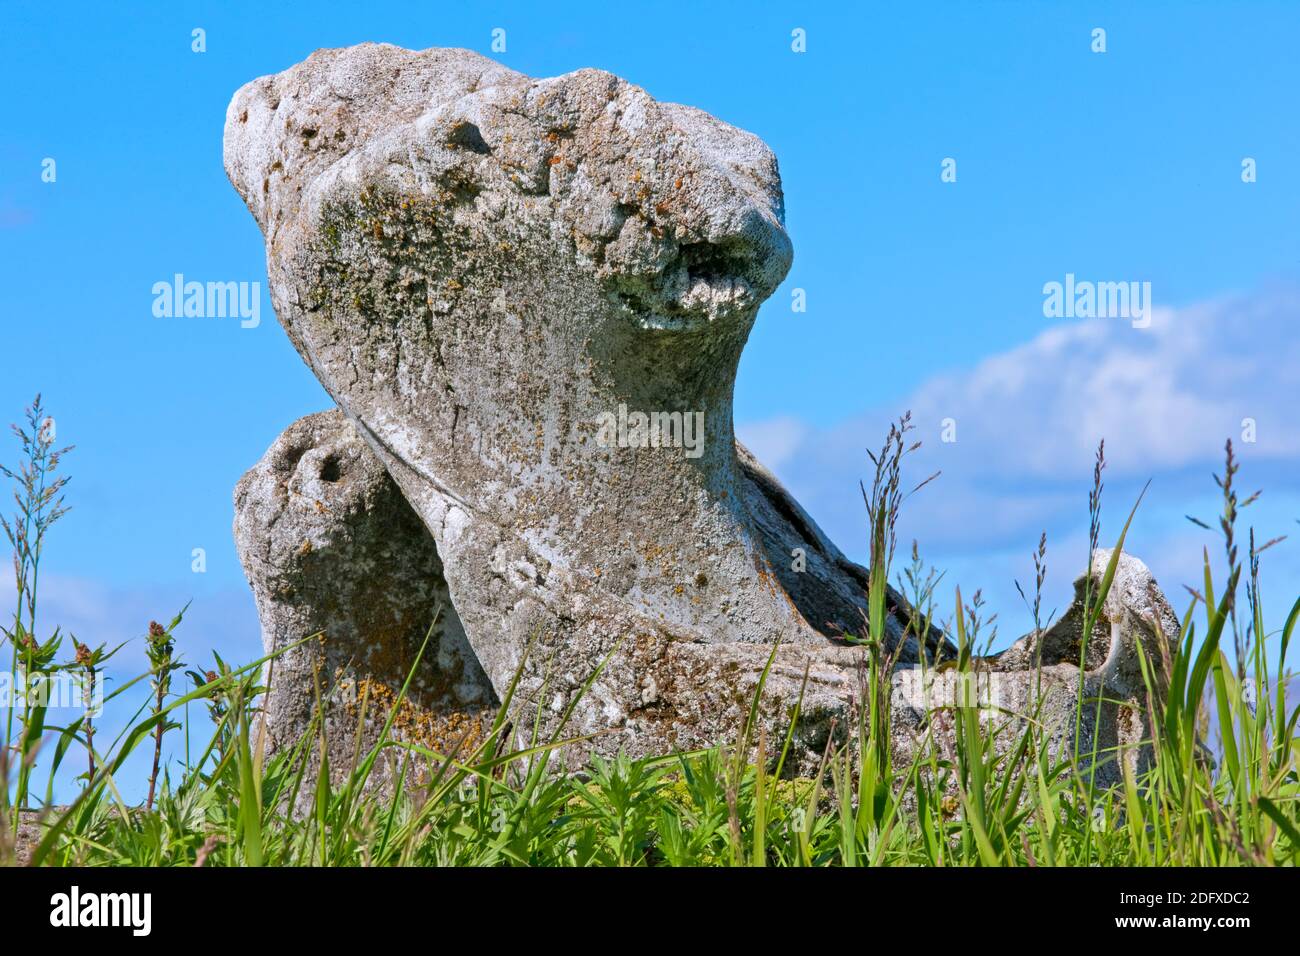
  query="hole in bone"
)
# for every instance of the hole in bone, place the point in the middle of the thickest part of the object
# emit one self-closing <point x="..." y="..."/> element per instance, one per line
<point x="716" y="261"/>
<point x="330" y="469"/>
<point x="467" y="136"/>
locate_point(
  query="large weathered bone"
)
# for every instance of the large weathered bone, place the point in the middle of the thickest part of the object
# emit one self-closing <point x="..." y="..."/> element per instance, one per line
<point x="503" y="282"/>
<point x="486" y="271"/>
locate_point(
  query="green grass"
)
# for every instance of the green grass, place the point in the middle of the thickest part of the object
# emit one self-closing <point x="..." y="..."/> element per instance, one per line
<point x="998" y="797"/>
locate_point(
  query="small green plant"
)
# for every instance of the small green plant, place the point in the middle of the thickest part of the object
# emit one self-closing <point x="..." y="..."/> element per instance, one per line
<point x="39" y="500"/>
<point x="160" y="646"/>
<point x="87" y="664"/>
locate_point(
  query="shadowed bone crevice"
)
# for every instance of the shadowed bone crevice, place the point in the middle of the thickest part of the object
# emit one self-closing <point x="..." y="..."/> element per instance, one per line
<point x="481" y="268"/>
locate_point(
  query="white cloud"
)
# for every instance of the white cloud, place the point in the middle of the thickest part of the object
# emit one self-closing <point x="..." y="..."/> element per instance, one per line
<point x="1163" y="397"/>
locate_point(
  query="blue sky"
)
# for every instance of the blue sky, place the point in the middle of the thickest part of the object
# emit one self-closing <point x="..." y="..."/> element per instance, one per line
<point x="921" y="294"/>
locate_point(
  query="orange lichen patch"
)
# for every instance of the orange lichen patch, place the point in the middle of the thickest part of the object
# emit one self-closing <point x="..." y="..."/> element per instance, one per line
<point x="439" y="730"/>
<point x="655" y="554"/>
<point x="765" y="576"/>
